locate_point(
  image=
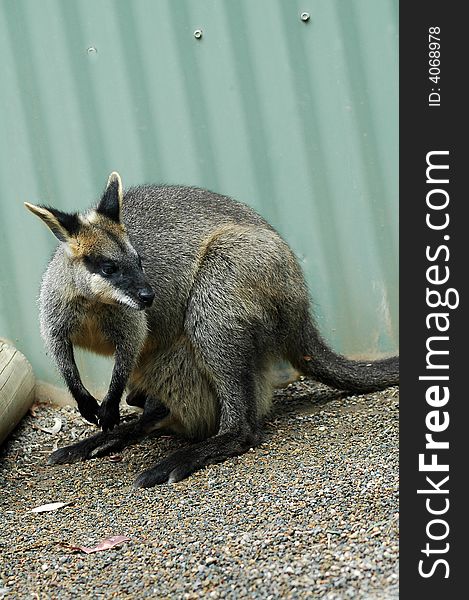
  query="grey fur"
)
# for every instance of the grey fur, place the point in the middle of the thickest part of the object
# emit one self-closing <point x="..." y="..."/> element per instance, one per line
<point x="230" y="301"/>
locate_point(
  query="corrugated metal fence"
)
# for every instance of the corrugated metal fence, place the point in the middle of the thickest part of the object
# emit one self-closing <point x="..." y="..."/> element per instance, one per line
<point x="296" y="117"/>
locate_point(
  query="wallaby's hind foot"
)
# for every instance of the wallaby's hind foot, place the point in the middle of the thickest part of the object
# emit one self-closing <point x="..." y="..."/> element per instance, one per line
<point x="103" y="443"/>
<point x="184" y="462"/>
<point x="99" y="444"/>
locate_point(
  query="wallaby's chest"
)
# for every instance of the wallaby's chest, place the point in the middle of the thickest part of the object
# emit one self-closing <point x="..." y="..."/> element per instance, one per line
<point x="90" y="334"/>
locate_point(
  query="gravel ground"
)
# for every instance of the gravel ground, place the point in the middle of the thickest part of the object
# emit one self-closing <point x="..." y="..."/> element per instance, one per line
<point x="311" y="513"/>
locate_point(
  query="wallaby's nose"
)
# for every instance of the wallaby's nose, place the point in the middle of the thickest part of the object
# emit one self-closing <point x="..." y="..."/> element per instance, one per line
<point x="146" y="296"/>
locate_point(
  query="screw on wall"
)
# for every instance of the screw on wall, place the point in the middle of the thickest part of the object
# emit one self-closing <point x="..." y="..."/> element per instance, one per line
<point x="198" y="34"/>
<point x="92" y="54"/>
<point x="305" y="16"/>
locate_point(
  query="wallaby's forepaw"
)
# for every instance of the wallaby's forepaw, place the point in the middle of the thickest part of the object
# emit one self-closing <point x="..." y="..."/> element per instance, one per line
<point x="89" y="409"/>
<point x="176" y="467"/>
<point x="108" y="415"/>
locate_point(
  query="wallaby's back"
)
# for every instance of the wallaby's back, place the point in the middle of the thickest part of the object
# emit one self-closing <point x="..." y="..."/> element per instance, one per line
<point x="173" y="228"/>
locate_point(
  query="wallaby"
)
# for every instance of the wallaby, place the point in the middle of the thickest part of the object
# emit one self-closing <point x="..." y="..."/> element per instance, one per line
<point x="197" y="297"/>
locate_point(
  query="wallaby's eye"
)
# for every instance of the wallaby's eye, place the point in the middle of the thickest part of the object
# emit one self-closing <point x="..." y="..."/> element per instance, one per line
<point x="108" y="268"/>
<point x="140" y="261"/>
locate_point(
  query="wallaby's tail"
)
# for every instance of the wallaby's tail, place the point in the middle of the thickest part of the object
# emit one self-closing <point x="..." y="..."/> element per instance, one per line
<point x="314" y="358"/>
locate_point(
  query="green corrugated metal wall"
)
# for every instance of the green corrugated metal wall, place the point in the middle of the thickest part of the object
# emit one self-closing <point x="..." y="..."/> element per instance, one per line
<point x="298" y="119"/>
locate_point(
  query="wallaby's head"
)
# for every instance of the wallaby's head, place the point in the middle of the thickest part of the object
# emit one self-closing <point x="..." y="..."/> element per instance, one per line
<point x="104" y="264"/>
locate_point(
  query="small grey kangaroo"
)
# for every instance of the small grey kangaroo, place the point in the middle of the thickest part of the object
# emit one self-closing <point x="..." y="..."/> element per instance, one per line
<point x="197" y="297"/>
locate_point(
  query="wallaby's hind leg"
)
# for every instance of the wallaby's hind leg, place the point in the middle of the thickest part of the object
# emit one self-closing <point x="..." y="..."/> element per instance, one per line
<point x="232" y="355"/>
<point x="238" y="432"/>
<point x="153" y="418"/>
<point x="136" y="398"/>
<point x="239" y="429"/>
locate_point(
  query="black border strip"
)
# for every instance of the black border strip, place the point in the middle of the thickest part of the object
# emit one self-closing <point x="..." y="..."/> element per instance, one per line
<point x="428" y="128"/>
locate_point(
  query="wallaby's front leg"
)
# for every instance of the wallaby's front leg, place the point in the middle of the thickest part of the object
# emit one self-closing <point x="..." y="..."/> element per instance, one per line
<point x="63" y="355"/>
<point x="108" y="414"/>
<point x="127" y="332"/>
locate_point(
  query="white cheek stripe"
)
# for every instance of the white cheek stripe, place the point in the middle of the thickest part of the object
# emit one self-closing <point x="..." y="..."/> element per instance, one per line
<point x="103" y="288"/>
<point x="124" y="299"/>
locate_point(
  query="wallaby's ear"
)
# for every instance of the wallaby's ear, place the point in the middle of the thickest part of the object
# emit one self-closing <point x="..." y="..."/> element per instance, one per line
<point x="110" y="204"/>
<point x="63" y="225"/>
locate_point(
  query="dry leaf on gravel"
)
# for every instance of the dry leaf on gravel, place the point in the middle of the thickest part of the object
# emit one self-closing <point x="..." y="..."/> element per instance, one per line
<point x="33" y="409"/>
<point x="56" y="427"/>
<point x="49" y="507"/>
<point x="103" y="545"/>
